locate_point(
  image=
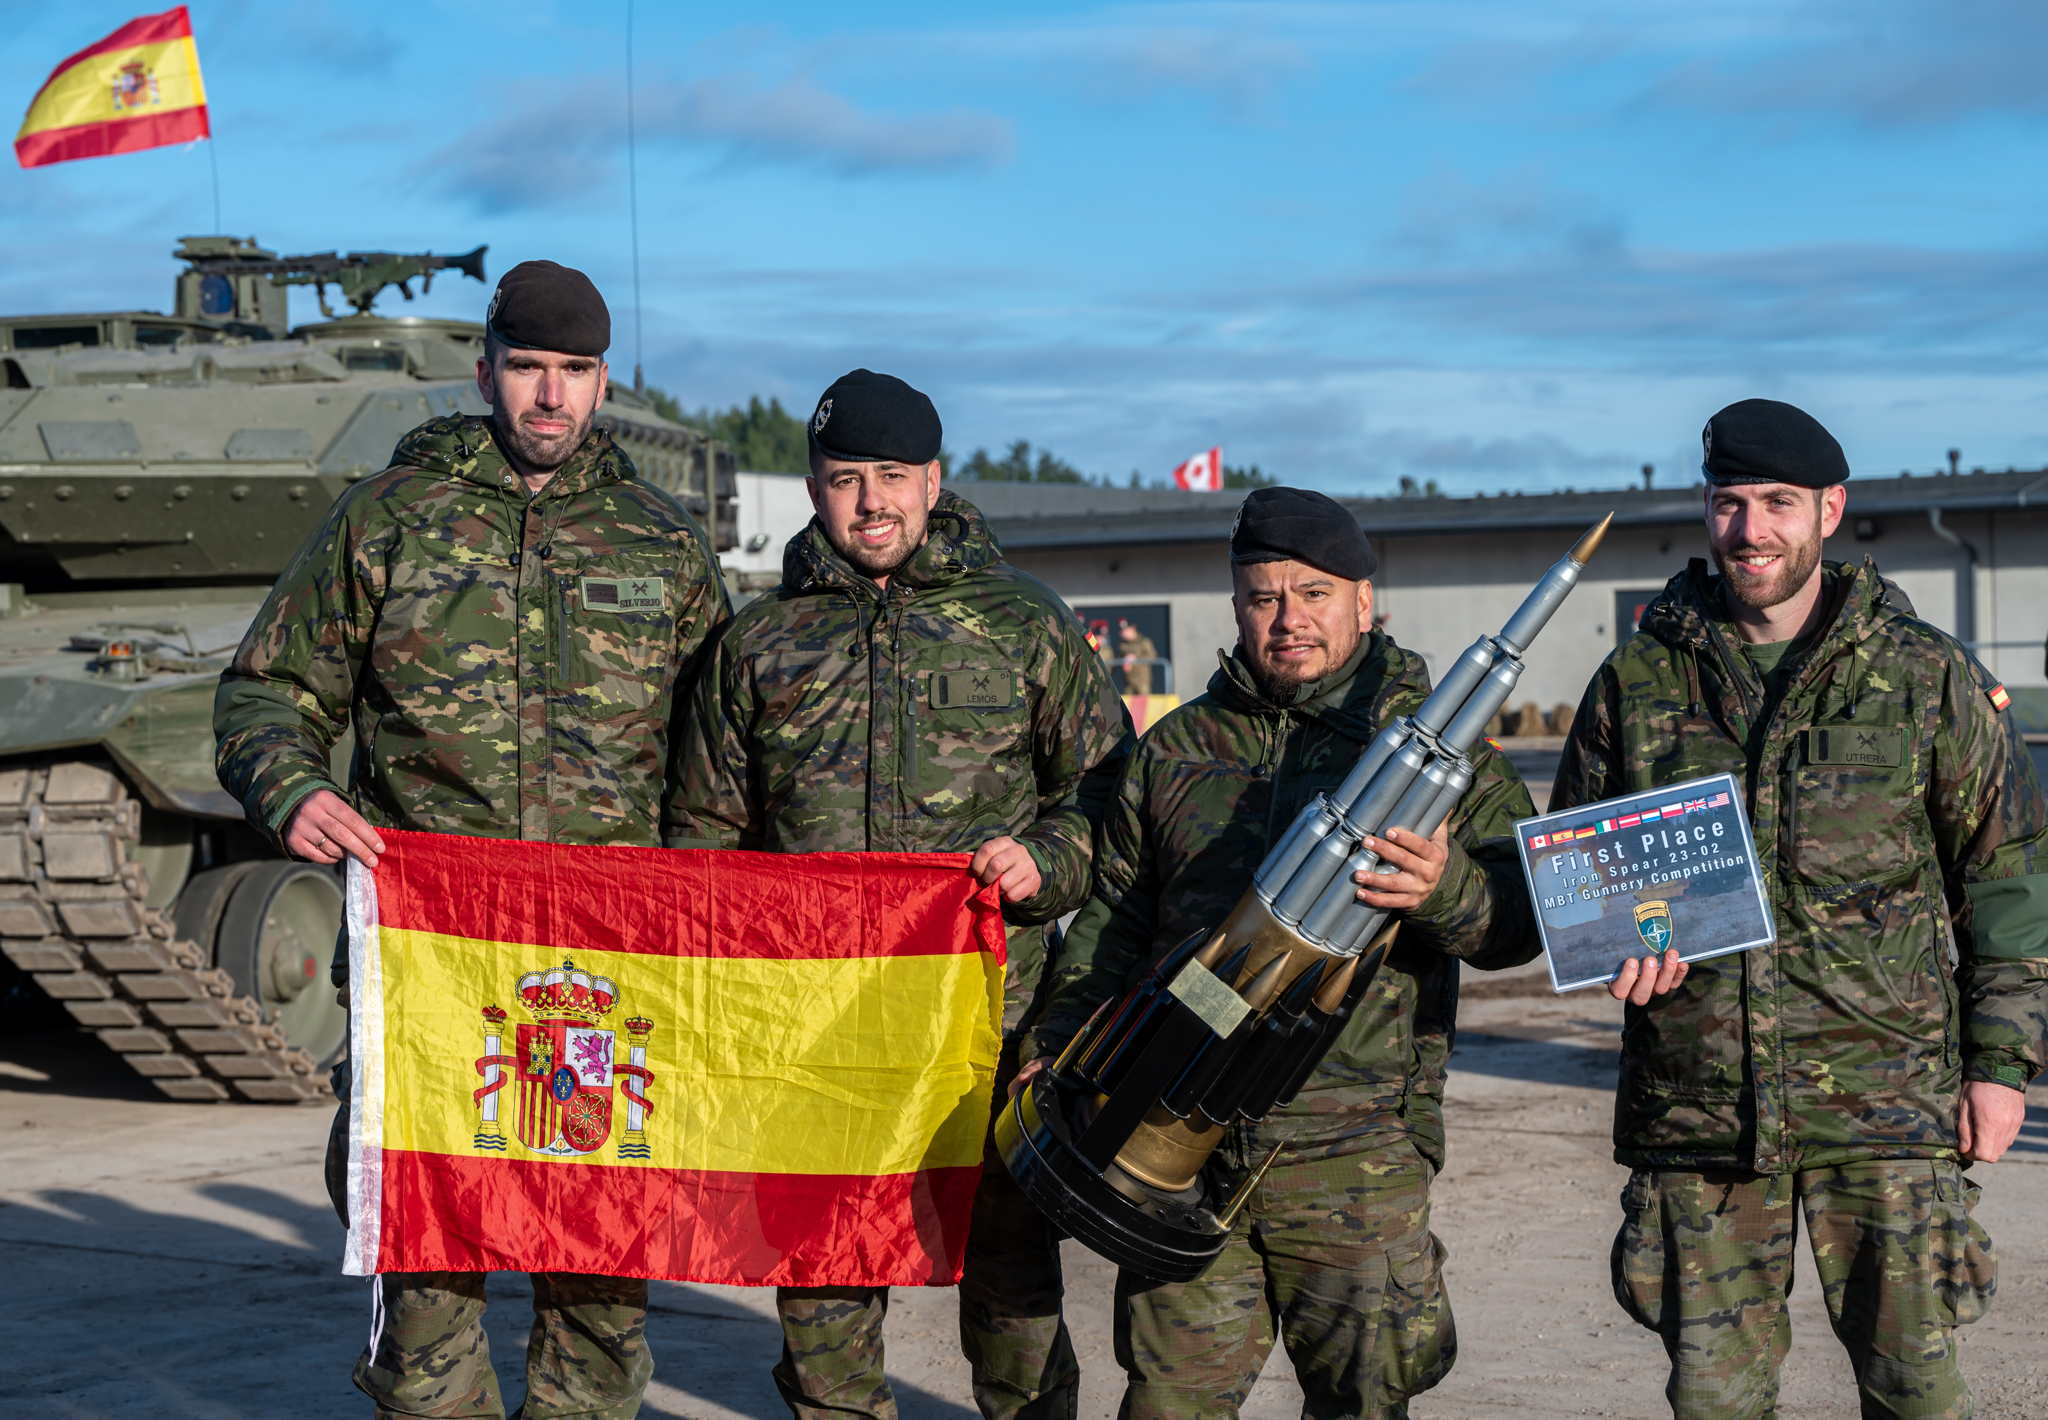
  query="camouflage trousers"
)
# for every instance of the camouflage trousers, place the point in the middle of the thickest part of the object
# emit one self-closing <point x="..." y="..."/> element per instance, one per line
<point x="1011" y="1329"/>
<point x="1705" y="1261"/>
<point x="1340" y="1251"/>
<point x="586" y="1356"/>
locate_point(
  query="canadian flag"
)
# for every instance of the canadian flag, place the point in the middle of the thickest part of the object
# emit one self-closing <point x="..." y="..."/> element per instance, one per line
<point x="1201" y="474"/>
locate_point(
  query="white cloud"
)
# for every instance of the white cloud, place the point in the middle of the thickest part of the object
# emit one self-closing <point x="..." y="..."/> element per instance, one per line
<point x="795" y="121"/>
<point x="548" y="145"/>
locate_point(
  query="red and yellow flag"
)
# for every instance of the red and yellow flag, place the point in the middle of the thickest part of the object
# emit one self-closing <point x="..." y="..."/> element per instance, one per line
<point x="137" y="88"/>
<point x="749" y="1068"/>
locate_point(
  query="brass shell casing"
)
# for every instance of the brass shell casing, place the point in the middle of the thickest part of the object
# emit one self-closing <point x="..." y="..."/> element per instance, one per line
<point x="1167" y="1152"/>
<point x="1251" y="921"/>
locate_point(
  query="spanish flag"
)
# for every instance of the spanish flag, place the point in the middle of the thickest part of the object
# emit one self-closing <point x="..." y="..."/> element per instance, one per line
<point x="733" y="1067"/>
<point x="137" y="88"/>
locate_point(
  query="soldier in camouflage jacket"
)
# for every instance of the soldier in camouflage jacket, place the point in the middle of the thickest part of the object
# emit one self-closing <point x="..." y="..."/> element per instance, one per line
<point x="503" y="618"/>
<point x="507" y="663"/>
<point x="942" y="703"/>
<point x="1900" y="827"/>
<point x="1337" y="1236"/>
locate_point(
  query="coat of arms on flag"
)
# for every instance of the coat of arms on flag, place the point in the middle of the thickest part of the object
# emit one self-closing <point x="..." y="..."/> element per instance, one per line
<point x="828" y="1028"/>
<point x="566" y="1066"/>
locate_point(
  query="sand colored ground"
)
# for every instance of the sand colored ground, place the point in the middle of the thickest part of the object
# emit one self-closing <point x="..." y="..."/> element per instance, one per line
<point x="181" y="1260"/>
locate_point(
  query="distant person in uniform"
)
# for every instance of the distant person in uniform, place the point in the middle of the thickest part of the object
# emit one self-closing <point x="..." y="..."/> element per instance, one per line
<point x="1138" y="654"/>
<point x="450" y="611"/>
<point x="1858" y="1066"/>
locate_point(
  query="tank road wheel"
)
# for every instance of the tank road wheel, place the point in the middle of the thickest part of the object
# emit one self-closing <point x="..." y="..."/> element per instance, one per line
<point x="276" y="938"/>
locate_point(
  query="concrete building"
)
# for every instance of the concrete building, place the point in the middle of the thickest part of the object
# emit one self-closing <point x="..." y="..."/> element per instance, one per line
<point x="1971" y="551"/>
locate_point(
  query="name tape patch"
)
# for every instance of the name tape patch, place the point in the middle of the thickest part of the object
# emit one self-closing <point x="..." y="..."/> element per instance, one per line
<point x="624" y="594"/>
<point x="973" y="690"/>
<point x="1203" y="992"/>
<point x="1875" y="746"/>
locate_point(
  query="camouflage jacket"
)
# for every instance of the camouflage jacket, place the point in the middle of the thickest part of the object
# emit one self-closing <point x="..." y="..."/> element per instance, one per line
<point x="961" y="704"/>
<point x="507" y="664"/>
<point x="1210" y="788"/>
<point x="1904" y="865"/>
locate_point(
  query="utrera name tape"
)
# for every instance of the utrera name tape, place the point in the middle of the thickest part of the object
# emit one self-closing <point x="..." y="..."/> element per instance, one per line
<point x="1625" y="878"/>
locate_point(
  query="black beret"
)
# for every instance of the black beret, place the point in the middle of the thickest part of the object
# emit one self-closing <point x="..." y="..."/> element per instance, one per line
<point x="869" y="418"/>
<point x="1299" y="525"/>
<point x="543" y="305"/>
<point x="1764" y="441"/>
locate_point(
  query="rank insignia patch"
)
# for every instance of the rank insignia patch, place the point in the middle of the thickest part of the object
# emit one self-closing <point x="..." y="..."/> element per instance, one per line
<point x="972" y="690"/>
<point x="623" y="594"/>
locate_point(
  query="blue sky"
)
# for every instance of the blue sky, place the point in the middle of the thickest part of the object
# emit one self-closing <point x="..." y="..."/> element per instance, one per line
<point x="1497" y="245"/>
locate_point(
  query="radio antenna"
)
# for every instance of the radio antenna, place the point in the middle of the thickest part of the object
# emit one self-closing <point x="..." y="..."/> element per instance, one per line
<point x="633" y="200"/>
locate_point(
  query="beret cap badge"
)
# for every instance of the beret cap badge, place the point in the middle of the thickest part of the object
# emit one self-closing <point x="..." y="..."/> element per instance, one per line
<point x="1769" y="441"/>
<point x="876" y="419"/>
<point x="543" y="305"/>
<point x="1301" y="525"/>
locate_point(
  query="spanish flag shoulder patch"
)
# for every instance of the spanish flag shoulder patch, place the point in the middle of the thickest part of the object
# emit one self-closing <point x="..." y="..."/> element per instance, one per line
<point x="1999" y="699"/>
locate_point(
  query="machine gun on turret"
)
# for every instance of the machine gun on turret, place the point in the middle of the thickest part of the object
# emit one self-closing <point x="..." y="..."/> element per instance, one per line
<point x="1113" y="1141"/>
<point x="230" y="279"/>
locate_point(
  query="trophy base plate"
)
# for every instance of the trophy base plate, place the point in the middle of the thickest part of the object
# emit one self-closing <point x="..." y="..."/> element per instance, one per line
<point x="1168" y="1237"/>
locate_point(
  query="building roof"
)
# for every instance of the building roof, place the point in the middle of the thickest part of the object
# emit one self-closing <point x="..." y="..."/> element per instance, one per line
<point x="1037" y="515"/>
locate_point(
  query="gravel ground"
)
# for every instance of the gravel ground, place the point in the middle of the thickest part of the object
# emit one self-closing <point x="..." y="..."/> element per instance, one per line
<point x="181" y="1260"/>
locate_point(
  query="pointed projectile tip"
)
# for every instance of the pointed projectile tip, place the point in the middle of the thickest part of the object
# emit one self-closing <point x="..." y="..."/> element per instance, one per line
<point x="1331" y="995"/>
<point x="1583" y="550"/>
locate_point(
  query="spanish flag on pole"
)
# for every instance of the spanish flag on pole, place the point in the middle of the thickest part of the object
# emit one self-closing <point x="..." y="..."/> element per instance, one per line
<point x="137" y="88"/>
<point x="731" y="1067"/>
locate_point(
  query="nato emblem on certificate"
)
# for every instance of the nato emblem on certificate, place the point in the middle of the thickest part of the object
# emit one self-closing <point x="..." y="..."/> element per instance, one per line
<point x="1636" y="876"/>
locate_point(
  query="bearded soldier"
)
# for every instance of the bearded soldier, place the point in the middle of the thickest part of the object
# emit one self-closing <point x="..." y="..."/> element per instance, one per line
<point x="1335" y="1250"/>
<point x="905" y="690"/>
<point x="503" y="617"/>
<point x="1860" y="1064"/>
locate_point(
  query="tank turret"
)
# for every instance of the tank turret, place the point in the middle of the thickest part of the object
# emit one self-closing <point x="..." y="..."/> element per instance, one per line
<point x="156" y="472"/>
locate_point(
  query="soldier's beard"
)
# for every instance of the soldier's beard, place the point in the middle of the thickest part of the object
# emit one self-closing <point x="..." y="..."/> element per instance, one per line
<point x="1795" y="566"/>
<point x="542" y="453"/>
<point x="884" y="559"/>
<point x="1276" y="679"/>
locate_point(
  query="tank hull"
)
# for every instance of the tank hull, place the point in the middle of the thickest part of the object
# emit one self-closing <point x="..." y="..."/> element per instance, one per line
<point x="157" y="473"/>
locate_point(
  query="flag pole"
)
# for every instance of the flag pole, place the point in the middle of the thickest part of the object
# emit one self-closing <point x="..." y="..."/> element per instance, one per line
<point x="633" y="199"/>
<point x="213" y="162"/>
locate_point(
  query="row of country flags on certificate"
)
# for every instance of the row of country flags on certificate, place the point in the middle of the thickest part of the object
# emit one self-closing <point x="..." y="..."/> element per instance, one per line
<point x="1615" y="825"/>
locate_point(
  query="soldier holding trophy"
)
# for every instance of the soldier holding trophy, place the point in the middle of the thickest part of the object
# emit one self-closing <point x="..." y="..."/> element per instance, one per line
<point x="1335" y="1251"/>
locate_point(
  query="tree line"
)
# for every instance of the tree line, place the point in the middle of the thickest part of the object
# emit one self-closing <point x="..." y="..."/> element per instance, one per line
<point x="769" y="439"/>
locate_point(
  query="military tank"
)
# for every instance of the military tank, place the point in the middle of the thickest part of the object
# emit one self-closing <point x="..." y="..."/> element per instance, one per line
<point x="156" y="472"/>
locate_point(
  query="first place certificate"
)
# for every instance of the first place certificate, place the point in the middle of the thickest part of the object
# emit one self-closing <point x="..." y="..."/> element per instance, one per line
<point x="1632" y="877"/>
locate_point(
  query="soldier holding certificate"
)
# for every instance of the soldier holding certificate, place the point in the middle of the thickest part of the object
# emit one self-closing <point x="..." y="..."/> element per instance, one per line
<point x="1856" y="1067"/>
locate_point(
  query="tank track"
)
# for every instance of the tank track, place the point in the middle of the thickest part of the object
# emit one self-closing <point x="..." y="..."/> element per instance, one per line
<point x="73" y="915"/>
